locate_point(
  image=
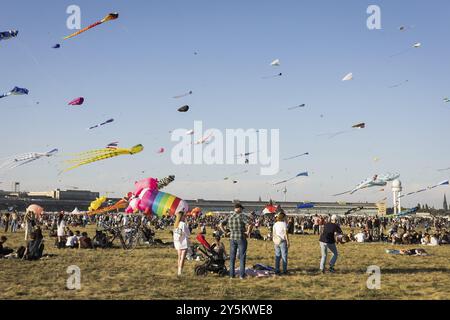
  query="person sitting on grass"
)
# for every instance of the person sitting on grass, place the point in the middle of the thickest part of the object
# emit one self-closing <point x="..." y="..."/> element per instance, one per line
<point x="84" y="242"/>
<point x="34" y="249"/>
<point x="361" y="237"/>
<point x="4" y="251"/>
<point x="71" y="241"/>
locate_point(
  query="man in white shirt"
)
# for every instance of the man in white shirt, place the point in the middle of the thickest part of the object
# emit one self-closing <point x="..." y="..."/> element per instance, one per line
<point x="360" y="237"/>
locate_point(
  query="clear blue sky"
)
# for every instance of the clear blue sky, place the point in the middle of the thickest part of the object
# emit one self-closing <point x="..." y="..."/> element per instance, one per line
<point x="130" y="68"/>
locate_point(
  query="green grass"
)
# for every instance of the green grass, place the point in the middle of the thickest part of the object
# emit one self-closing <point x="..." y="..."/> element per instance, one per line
<point x="150" y="273"/>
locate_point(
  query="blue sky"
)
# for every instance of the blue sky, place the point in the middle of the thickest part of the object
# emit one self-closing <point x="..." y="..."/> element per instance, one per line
<point x="130" y="68"/>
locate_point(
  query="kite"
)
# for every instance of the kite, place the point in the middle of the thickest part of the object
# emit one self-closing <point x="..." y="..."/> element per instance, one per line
<point x="76" y="102"/>
<point x="275" y="63"/>
<point x="305" y="206"/>
<point x="301" y="174"/>
<point x="101" y="154"/>
<point x="334" y="134"/>
<point x="189" y="132"/>
<point x="359" y="126"/>
<point x="97" y="203"/>
<point x="6" y="35"/>
<point x="445" y="169"/>
<point x="442" y="183"/>
<point x="183" y="95"/>
<point x="376" y="159"/>
<point x="121" y="204"/>
<point x="296" y="107"/>
<point x="160" y="151"/>
<point x="109" y="17"/>
<point x="399" y="84"/>
<point x="353" y="210"/>
<point x="348" y="77"/>
<point x="26" y="158"/>
<point x="184" y="109"/>
<point x="204" y="140"/>
<point x="235" y="181"/>
<point x="244" y="154"/>
<point x="446" y="100"/>
<point x="414" y="46"/>
<point x="298" y="156"/>
<point x="403" y="213"/>
<point x="376" y="180"/>
<point x="236" y="174"/>
<point x="274" y="76"/>
<point x="15" y="92"/>
<point x="148" y="199"/>
<point x="56" y="46"/>
<point x="164" y="182"/>
<point x="113" y="145"/>
<point x="101" y="124"/>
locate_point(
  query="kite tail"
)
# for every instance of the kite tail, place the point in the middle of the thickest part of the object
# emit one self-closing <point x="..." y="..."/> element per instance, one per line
<point x="83" y="30"/>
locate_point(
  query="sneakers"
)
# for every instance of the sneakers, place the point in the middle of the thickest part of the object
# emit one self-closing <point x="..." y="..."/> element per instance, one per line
<point x="332" y="270"/>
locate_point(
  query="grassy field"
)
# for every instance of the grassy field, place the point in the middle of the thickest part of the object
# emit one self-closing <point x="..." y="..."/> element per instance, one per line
<point x="149" y="273"/>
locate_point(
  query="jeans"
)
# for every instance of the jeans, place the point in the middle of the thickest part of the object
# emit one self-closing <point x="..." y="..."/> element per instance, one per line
<point x="13" y="226"/>
<point x="281" y="253"/>
<point x="242" y="246"/>
<point x="324" y="250"/>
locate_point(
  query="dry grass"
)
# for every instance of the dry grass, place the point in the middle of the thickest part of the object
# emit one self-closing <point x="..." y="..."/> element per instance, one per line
<point x="149" y="273"/>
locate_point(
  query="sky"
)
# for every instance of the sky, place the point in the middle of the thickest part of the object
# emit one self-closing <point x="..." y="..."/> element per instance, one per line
<point x="130" y="69"/>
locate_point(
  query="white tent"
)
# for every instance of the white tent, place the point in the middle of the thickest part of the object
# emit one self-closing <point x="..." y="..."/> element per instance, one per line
<point x="76" y="211"/>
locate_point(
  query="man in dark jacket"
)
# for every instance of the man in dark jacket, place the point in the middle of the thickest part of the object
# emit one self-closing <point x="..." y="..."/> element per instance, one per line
<point x="327" y="241"/>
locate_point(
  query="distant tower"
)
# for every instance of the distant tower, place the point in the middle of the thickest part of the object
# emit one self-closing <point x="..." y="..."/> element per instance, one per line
<point x="445" y="203"/>
<point x="396" y="191"/>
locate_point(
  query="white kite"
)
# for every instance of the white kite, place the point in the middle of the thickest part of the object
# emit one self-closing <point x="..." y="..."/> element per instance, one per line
<point x="375" y="181"/>
<point x="348" y="77"/>
<point x="275" y="63"/>
<point x="20" y="160"/>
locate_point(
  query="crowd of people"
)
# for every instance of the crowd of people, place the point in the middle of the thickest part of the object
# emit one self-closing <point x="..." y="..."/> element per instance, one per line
<point x="238" y="227"/>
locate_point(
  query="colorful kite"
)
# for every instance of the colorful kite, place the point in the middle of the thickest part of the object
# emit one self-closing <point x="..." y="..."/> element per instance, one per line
<point x="101" y="154"/>
<point x="148" y="199"/>
<point x="183" y="95"/>
<point x="15" y="92"/>
<point x="101" y="124"/>
<point x="97" y="203"/>
<point x="26" y="158"/>
<point x="301" y="174"/>
<point x="6" y="35"/>
<point x="109" y="17"/>
<point x="76" y="102"/>
<point x="160" y="151"/>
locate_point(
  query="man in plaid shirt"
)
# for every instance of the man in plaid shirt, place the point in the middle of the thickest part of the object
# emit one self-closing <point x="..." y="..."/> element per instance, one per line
<point x="240" y="229"/>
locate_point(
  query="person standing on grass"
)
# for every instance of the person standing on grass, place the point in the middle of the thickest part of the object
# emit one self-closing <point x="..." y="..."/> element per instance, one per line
<point x="61" y="228"/>
<point x="240" y="230"/>
<point x="281" y="241"/>
<point x="327" y="241"/>
<point x="181" y="235"/>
